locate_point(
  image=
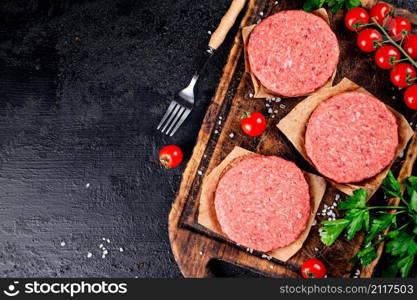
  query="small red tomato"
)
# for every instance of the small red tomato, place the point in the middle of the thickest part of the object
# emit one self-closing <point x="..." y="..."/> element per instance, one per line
<point x="253" y="124"/>
<point x="387" y="56"/>
<point x="379" y="13"/>
<point x="410" y="45"/>
<point x="403" y="75"/>
<point x="410" y="97"/>
<point x="398" y="28"/>
<point x="369" y="39"/>
<point x="355" y="17"/>
<point x="313" y="268"/>
<point x="170" y="156"/>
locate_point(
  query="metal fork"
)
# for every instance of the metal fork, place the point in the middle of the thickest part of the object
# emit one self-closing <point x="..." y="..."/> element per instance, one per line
<point x="180" y="108"/>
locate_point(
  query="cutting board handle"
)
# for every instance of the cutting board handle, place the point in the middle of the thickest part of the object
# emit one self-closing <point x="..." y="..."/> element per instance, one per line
<point x="226" y="23"/>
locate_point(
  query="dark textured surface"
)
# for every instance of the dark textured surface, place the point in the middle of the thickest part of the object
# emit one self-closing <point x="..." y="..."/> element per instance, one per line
<point x="83" y="84"/>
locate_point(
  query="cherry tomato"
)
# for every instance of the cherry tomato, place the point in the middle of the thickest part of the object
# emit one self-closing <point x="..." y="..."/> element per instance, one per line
<point x="253" y="124"/>
<point x="369" y="39"/>
<point x="403" y="74"/>
<point x="379" y="12"/>
<point x="170" y="156"/>
<point x="313" y="268"/>
<point x="410" y="45"/>
<point x="398" y="28"/>
<point x="410" y="97"/>
<point x="386" y="57"/>
<point x="355" y="17"/>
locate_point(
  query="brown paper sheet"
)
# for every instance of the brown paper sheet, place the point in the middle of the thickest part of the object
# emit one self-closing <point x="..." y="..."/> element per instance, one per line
<point x="259" y="90"/>
<point x="207" y="214"/>
<point x="293" y="125"/>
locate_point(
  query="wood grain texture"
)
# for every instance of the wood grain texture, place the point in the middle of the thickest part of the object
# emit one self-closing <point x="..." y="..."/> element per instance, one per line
<point x="193" y="245"/>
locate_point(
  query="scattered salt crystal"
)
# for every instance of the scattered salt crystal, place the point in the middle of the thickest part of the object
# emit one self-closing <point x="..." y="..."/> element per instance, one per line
<point x="401" y="155"/>
<point x="100" y="246"/>
<point x="337" y="197"/>
<point x="394" y="97"/>
<point x="261" y="13"/>
<point x="282" y="106"/>
<point x="89" y="254"/>
<point x="220" y="117"/>
<point x="209" y="32"/>
<point x="121" y="249"/>
<point x="275" y="111"/>
<point x="276" y="2"/>
<point x="199" y="172"/>
<point x="231" y="135"/>
<point x="314" y="222"/>
<point x="220" y="122"/>
<point x="103" y="256"/>
<point x="250" y="95"/>
<point x="104" y="239"/>
<point x="270" y="111"/>
<point x="87" y="185"/>
<point x="62" y="244"/>
<point x="201" y="253"/>
<point x="316" y="249"/>
<point x="267" y="105"/>
<point x="216" y="131"/>
<point x="108" y="240"/>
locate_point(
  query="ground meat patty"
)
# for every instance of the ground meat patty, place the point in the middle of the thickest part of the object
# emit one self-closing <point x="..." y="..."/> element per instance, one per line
<point x="351" y="137"/>
<point x="293" y="53"/>
<point x="263" y="202"/>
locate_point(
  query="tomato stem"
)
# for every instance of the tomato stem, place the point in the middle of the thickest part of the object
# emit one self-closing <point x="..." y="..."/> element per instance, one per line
<point x="382" y="29"/>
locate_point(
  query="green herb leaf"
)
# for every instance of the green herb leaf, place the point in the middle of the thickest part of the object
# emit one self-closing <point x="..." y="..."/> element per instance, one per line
<point x="379" y="224"/>
<point x="359" y="219"/>
<point x="402" y="243"/>
<point x="353" y="3"/>
<point x="413" y="201"/>
<point x="405" y="264"/>
<point x="332" y="230"/>
<point x="357" y="200"/>
<point x="366" y="255"/>
<point x="335" y="5"/>
<point x="391" y="186"/>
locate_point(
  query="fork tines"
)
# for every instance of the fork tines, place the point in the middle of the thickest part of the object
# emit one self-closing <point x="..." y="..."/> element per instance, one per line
<point x="173" y="118"/>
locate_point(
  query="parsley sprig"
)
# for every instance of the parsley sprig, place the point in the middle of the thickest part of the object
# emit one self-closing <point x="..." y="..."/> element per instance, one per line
<point x="375" y="220"/>
<point x="335" y="5"/>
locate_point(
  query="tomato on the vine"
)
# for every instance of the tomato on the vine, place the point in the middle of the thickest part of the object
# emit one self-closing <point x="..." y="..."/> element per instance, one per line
<point x="369" y="39"/>
<point x="410" y="97"/>
<point x="313" y="268"/>
<point x="170" y="156"/>
<point x="253" y="124"/>
<point x="356" y="18"/>
<point x="403" y="75"/>
<point x="410" y="45"/>
<point x="387" y="56"/>
<point x="398" y="28"/>
<point x="379" y="13"/>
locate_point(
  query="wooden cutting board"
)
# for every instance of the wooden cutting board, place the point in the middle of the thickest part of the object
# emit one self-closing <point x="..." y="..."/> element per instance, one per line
<point x="193" y="245"/>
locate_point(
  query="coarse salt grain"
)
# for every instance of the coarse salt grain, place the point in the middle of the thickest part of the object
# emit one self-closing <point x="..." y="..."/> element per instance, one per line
<point x="216" y="131"/>
<point x="199" y="172"/>
<point x="209" y="32"/>
<point x="89" y="254"/>
<point x="231" y="135"/>
<point x="201" y="253"/>
<point x="282" y="106"/>
<point x="250" y="95"/>
<point x="100" y="246"/>
<point x="108" y="240"/>
<point x="62" y="244"/>
<point x="121" y="249"/>
<point x="87" y="185"/>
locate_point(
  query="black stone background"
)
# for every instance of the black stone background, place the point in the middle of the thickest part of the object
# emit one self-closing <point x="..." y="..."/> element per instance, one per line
<point x="83" y="85"/>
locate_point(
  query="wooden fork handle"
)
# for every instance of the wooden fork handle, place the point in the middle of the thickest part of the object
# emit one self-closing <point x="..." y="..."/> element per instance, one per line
<point x="226" y="23"/>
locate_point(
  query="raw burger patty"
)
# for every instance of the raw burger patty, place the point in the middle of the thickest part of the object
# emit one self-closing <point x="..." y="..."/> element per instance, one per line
<point x="293" y="53"/>
<point x="263" y="202"/>
<point x="351" y="137"/>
